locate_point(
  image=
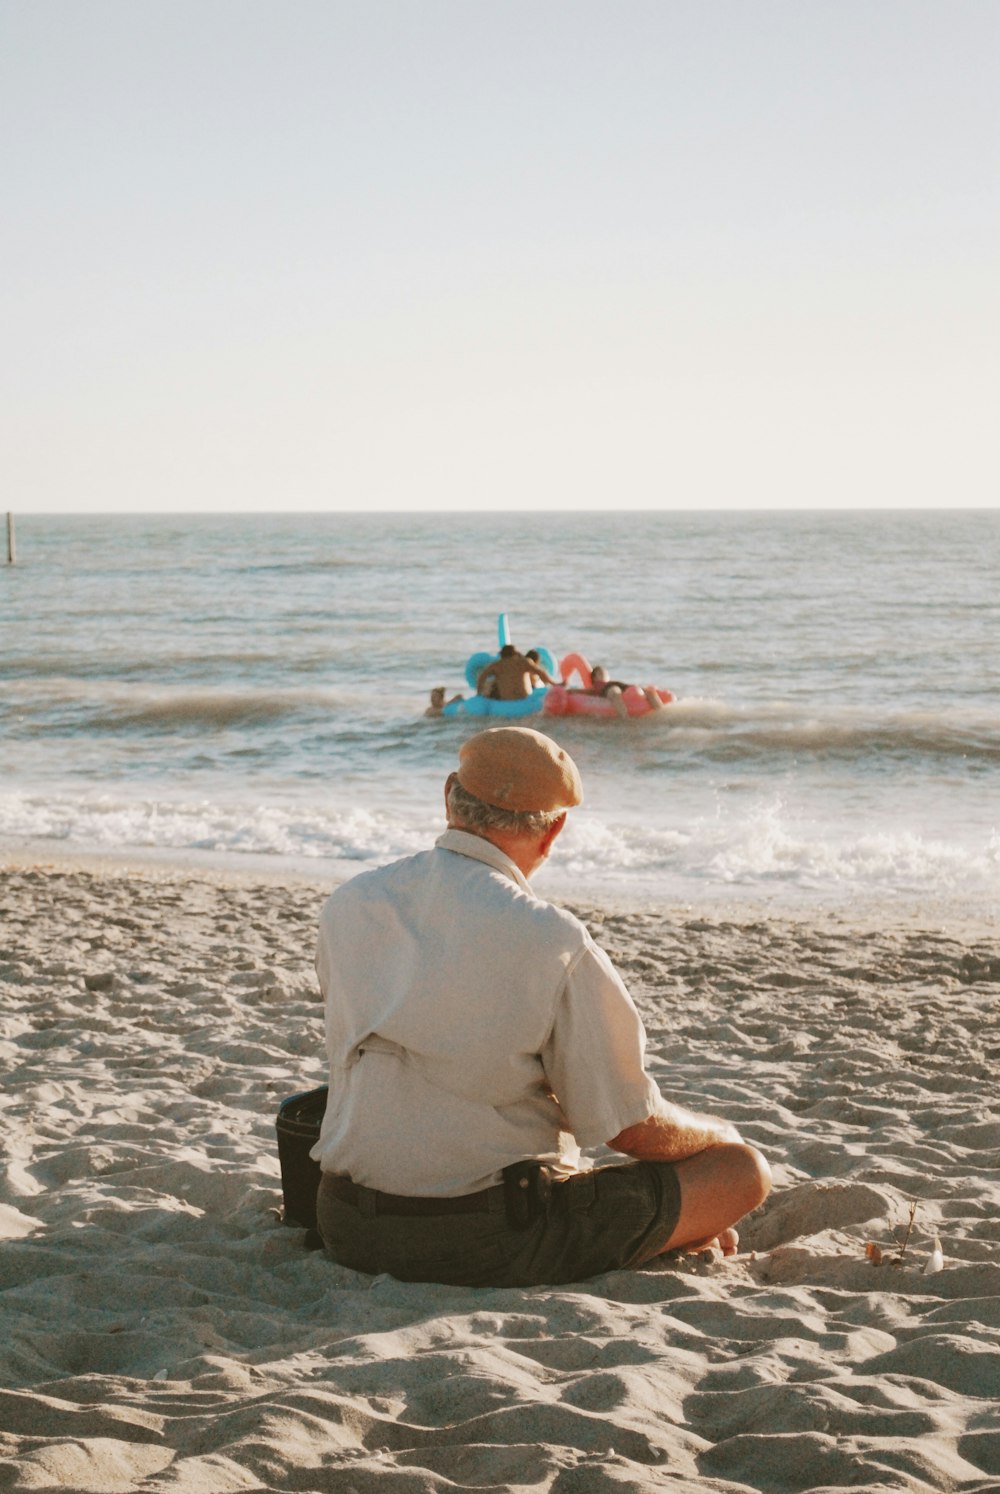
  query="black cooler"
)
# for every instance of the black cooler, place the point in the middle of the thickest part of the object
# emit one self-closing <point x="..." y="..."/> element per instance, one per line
<point x="298" y="1121"/>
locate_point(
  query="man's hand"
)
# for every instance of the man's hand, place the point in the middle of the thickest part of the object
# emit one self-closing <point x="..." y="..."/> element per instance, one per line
<point x="672" y="1133"/>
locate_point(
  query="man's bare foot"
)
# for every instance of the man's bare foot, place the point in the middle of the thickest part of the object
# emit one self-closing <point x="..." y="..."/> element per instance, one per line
<point x="728" y="1243"/>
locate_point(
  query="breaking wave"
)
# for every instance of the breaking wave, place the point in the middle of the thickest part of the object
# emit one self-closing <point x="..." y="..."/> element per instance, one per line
<point x="760" y="846"/>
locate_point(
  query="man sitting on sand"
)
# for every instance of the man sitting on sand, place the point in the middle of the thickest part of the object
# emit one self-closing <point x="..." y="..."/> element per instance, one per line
<point x="513" y="676"/>
<point x="477" y="1038"/>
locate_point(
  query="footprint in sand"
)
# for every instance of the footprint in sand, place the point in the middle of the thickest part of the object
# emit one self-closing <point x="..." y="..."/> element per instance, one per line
<point x="809" y="1209"/>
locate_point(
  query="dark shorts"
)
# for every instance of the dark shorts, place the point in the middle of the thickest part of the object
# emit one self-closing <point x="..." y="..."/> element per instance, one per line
<point x="613" y="1217"/>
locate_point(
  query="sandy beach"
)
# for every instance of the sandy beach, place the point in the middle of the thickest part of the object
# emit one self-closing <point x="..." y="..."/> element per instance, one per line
<point x="163" y="1330"/>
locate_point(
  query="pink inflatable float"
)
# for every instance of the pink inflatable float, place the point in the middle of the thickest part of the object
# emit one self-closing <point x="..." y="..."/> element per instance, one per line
<point x="561" y="700"/>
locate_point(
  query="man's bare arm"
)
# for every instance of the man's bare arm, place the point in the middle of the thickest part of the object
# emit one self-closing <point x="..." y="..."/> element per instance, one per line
<point x="672" y="1133"/>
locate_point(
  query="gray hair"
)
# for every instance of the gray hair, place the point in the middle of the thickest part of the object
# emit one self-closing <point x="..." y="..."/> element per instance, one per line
<point x="471" y="813"/>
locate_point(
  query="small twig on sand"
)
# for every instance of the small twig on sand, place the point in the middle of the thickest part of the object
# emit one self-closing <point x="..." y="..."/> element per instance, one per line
<point x="906" y="1238"/>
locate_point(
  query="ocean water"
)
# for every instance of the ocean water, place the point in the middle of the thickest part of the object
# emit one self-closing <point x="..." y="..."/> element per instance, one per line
<point x="250" y="689"/>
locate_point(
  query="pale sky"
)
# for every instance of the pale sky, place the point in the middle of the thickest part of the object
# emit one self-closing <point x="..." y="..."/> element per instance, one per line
<point x="491" y="254"/>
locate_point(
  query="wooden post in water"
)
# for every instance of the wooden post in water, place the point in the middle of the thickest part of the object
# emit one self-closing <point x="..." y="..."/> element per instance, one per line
<point x="11" y="545"/>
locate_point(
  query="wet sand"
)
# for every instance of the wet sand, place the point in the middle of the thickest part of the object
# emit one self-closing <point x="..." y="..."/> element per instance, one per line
<point x="163" y="1330"/>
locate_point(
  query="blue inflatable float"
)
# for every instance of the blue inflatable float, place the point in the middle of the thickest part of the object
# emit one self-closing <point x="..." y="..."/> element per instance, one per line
<point x="485" y="705"/>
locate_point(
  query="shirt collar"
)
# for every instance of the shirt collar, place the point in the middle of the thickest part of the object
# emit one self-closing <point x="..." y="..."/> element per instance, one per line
<point x="477" y="848"/>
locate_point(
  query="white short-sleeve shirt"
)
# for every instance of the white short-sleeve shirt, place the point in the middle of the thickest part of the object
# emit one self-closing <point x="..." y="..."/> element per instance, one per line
<point x="469" y="1025"/>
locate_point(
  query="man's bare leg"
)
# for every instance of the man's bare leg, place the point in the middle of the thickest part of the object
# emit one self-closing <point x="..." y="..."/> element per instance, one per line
<point x="614" y="694"/>
<point x="718" y="1187"/>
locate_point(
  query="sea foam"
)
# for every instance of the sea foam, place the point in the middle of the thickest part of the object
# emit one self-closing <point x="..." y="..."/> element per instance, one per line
<point x="751" y="846"/>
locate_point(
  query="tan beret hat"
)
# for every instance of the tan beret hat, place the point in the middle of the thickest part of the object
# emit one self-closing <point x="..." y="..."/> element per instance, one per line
<point x="513" y="767"/>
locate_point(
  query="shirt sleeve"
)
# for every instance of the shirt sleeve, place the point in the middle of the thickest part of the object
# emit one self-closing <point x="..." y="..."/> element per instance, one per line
<point x="594" y="1055"/>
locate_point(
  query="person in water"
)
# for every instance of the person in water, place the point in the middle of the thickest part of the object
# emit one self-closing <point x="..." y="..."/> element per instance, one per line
<point x="437" y="705"/>
<point x="613" y="690"/>
<point x="513" y="676"/>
